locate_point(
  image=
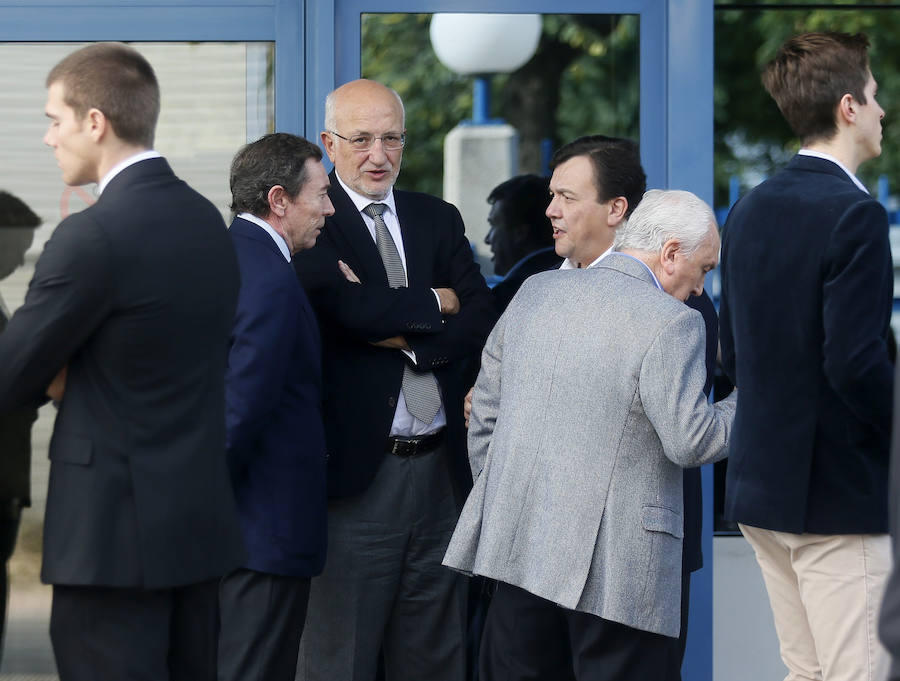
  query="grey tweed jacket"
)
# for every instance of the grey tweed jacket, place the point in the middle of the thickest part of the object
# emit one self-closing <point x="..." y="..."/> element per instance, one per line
<point x="589" y="399"/>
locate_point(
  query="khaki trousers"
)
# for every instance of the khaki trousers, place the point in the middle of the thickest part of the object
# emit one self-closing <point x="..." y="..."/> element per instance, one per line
<point x="825" y="592"/>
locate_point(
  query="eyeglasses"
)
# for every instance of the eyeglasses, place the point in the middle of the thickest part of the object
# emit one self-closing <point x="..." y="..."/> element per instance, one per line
<point x="391" y="141"/>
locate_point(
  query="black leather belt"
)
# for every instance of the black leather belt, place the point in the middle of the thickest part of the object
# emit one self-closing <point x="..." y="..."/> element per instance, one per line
<point x="413" y="446"/>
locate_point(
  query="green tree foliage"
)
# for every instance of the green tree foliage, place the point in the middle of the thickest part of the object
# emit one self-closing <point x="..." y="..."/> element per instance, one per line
<point x="752" y="139"/>
<point x="582" y="79"/>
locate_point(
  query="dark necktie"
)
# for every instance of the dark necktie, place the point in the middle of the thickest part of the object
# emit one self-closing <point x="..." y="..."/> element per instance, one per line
<point x="420" y="389"/>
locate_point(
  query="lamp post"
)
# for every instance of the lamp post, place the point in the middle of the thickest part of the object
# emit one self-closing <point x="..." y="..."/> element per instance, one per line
<point x="481" y="152"/>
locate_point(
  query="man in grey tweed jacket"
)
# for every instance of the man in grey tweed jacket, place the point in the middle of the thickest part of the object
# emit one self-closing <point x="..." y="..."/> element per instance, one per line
<point x="589" y="400"/>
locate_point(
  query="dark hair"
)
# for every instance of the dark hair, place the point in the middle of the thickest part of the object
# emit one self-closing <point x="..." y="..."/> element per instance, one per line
<point x="15" y="213"/>
<point x="810" y="74"/>
<point x="275" y="159"/>
<point x="525" y="199"/>
<point x="117" y="80"/>
<point x="617" y="166"/>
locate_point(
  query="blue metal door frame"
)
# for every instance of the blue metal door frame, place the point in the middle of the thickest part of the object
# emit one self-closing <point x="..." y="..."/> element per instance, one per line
<point x="278" y="21"/>
<point x="676" y="132"/>
<point x="317" y="46"/>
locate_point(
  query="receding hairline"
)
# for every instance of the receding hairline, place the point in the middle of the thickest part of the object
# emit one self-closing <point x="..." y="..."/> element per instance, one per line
<point x="367" y="88"/>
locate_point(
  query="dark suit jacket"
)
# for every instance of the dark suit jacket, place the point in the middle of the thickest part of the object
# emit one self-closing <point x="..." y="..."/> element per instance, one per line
<point x="273" y="387"/>
<point x="362" y="382"/>
<point x="693" y="488"/>
<point x="806" y="302"/>
<point x="136" y="294"/>
<point x="536" y="261"/>
<point x="15" y="451"/>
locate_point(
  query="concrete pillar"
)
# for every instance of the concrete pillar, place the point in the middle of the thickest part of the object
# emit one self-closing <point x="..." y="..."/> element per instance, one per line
<point x="476" y="159"/>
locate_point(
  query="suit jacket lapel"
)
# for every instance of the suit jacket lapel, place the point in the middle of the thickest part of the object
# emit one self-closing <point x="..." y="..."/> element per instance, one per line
<point x="415" y="245"/>
<point x="351" y="234"/>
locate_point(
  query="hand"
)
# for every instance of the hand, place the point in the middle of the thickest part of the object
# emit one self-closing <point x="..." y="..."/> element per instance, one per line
<point x="349" y="274"/>
<point x="449" y="301"/>
<point x="392" y="343"/>
<point x="57" y="386"/>
<point x="467" y="405"/>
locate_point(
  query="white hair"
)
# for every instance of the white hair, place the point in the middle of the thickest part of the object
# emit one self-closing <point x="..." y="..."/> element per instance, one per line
<point x="330" y="106"/>
<point x="663" y="215"/>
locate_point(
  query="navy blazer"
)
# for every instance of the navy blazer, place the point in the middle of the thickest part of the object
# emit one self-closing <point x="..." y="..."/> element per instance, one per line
<point x="136" y="294"/>
<point x="274" y="433"/>
<point x="807" y="288"/>
<point x="362" y="382"/>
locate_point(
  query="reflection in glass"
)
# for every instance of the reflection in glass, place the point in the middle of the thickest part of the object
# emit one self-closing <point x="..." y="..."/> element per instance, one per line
<point x="215" y="97"/>
<point x="583" y="79"/>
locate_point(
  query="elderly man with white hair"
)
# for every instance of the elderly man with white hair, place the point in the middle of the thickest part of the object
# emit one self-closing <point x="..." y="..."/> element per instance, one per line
<point x="589" y="401"/>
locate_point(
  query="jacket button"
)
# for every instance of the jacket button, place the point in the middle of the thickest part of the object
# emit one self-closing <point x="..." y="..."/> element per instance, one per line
<point x="392" y="402"/>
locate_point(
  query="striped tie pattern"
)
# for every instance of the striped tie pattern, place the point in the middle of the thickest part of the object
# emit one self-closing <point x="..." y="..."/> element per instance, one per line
<point x="420" y="389"/>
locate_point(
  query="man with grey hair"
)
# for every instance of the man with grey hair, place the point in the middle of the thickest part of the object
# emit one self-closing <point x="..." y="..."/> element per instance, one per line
<point x="577" y="505"/>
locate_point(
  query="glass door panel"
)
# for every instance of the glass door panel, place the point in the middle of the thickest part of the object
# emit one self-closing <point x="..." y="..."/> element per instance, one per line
<point x="215" y="97"/>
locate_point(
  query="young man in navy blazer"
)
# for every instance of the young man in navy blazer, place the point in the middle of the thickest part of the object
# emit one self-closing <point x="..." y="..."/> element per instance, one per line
<point x="806" y="304"/>
<point x="273" y="395"/>
<point x="136" y="296"/>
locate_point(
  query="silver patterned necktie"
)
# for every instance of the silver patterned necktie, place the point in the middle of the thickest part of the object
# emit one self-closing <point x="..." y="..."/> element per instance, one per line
<point x="420" y="389"/>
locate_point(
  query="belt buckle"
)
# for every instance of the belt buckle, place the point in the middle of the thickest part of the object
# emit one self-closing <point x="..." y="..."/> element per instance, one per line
<point x="404" y="447"/>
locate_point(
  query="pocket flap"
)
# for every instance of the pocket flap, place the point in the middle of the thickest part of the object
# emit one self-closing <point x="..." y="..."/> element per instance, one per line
<point x="70" y="449"/>
<point x="662" y="519"/>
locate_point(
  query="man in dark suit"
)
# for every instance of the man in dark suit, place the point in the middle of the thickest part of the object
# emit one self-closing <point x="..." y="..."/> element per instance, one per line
<point x="808" y="465"/>
<point x="17" y="225"/>
<point x="136" y="295"/>
<point x="406" y="308"/>
<point x="520" y="237"/>
<point x="273" y="385"/>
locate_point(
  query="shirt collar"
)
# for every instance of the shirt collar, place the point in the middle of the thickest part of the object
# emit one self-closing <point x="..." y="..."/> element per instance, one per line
<point x="121" y="165"/>
<point x="829" y="157"/>
<point x="646" y="267"/>
<point x="276" y="237"/>
<point x="361" y="201"/>
<point x="569" y="265"/>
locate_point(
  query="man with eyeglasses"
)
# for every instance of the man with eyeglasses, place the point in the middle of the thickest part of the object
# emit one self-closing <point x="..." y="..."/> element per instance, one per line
<point x="400" y="304"/>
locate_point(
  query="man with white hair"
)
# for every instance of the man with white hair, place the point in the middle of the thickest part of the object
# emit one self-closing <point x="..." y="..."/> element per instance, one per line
<point x="577" y="505"/>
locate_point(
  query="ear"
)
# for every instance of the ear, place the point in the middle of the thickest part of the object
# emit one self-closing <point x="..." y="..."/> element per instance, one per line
<point x="97" y="124"/>
<point x="328" y="143"/>
<point x="846" y="109"/>
<point x="617" y="209"/>
<point x="278" y="201"/>
<point x="668" y="254"/>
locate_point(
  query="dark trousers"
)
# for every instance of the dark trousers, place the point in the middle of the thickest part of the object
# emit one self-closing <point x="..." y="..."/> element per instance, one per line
<point x="262" y="619"/>
<point x="527" y="638"/>
<point x="104" y="633"/>
<point x="9" y="530"/>
<point x="384" y="588"/>
<point x="678" y="645"/>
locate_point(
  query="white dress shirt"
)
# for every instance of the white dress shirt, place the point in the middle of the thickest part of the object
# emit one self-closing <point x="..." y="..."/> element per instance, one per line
<point x="121" y="165"/>
<point x="829" y="157"/>
<point x="569" y="265"/>
<point x="276" y="237"/>
<point x="404" y="424"/>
